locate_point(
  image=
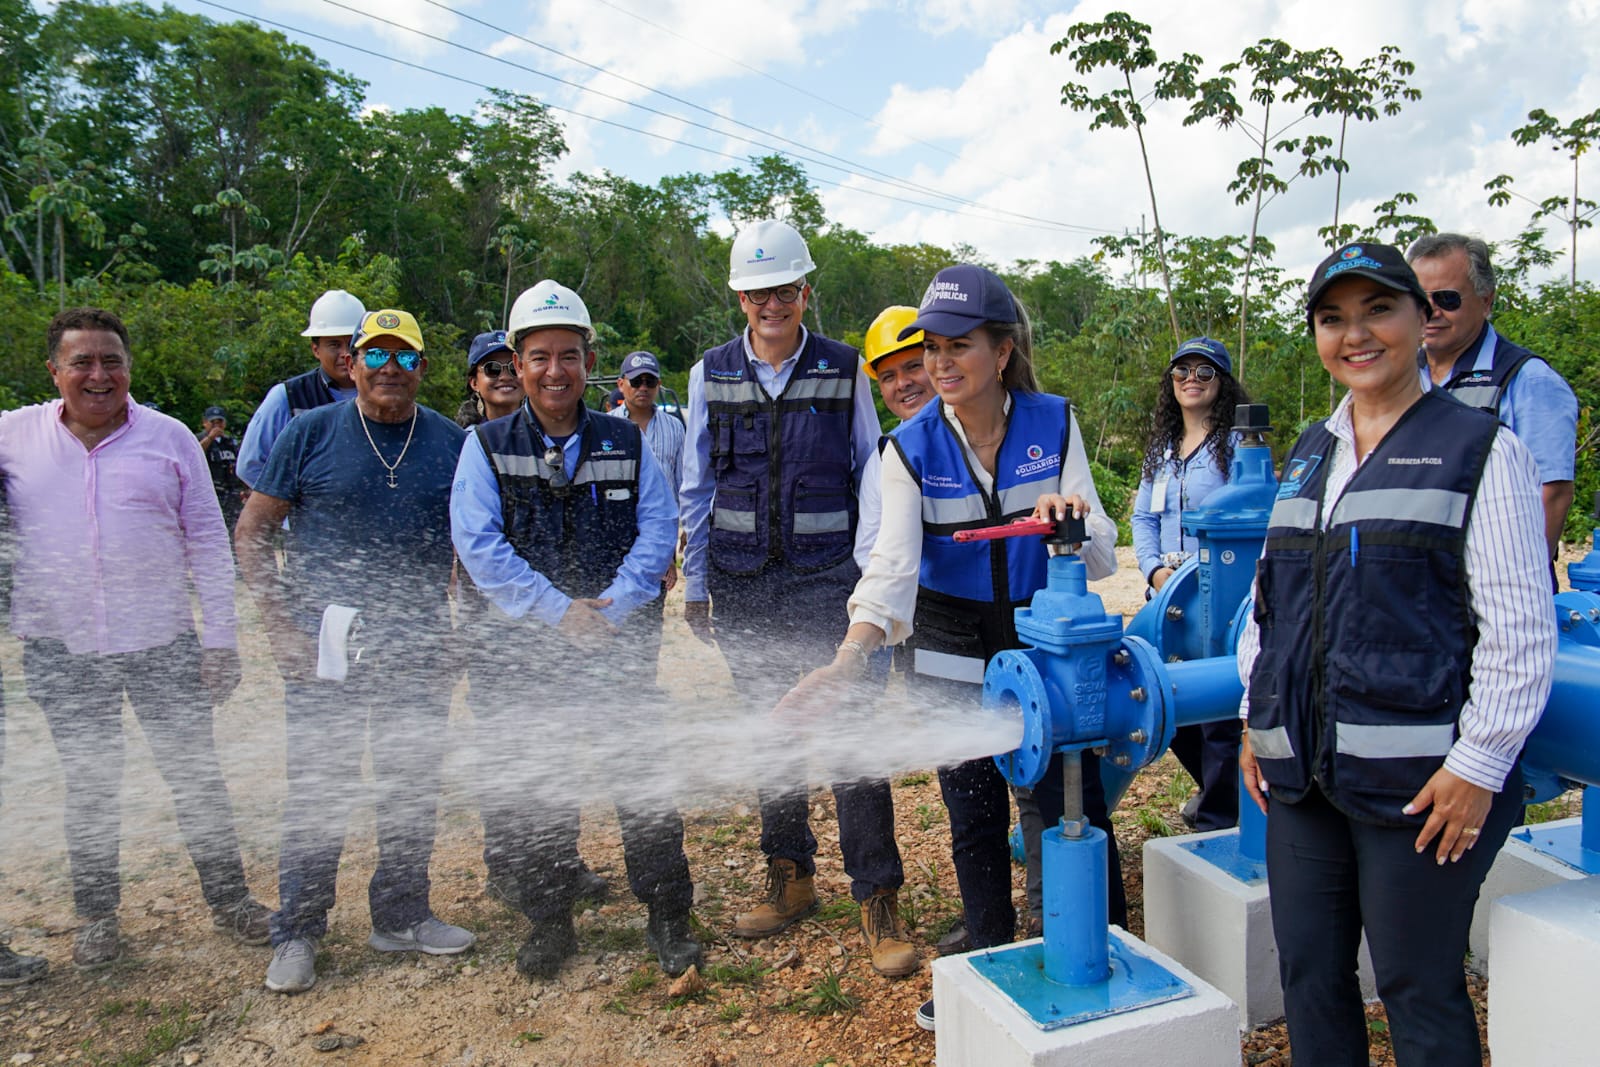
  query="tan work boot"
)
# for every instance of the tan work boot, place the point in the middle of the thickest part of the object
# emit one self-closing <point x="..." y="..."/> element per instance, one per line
<point x="892" y="955"/>
<point x="790" y="898"/>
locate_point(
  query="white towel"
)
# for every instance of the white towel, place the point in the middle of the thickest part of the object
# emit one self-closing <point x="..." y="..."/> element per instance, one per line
<point x="339" y="624"/>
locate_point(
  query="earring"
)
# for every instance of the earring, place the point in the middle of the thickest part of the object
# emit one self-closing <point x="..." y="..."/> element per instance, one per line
<point x="1000" y="375"/>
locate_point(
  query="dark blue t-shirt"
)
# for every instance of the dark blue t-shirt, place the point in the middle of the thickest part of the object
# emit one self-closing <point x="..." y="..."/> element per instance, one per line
<point x="352" y="539"/>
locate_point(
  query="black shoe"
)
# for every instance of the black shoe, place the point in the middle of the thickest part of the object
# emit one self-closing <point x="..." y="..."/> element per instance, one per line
<point x="925" y="1014"/>
<point x="502" y="888"/>
<point x="549" y="943"/>
<point x="1190" y="812"/>
<point x="590" y="886"/>
<point x="955" y="942"/>
<point x="673" y="942"/>
<point x="17" y="969"/>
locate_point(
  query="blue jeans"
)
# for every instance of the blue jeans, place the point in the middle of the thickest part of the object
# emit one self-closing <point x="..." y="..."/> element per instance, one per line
<point x="399" y="708"/>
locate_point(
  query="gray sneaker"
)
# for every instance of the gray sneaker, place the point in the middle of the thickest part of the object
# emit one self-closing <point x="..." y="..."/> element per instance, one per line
<point x="17" y="969"/>
<point x="294" y="966"/>
<point x="97" y="944"/>
<point x="430" y="935"/>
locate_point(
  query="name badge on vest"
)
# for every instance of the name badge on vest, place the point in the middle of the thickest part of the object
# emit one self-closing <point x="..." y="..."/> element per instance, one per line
<point x="618" y="494"/>
<point x="1158" y="489"/>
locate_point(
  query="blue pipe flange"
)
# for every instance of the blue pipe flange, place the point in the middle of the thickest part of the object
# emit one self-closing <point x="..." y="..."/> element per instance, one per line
<point x="1013" y="685"/>
<point x="1578" y="616"/>
<point x="1139" y="721"/>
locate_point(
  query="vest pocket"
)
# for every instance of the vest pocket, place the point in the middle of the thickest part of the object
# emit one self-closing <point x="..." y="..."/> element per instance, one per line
<point x="1394" y="713"/>
<point x="820" y="513"/>
<point x="734" y="515"/>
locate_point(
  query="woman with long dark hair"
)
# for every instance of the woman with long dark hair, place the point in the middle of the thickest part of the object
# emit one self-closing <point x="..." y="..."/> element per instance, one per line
<point x="1187" y="458"/>
<point x="493" y="388"/>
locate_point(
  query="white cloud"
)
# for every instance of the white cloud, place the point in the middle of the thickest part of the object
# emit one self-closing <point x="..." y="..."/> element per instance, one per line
<point x="407" y="14"/>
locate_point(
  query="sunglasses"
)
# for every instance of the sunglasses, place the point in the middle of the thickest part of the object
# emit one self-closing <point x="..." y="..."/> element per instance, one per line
<point x="644" y="381"/>
<point x="493" y="368"/>
<point x="786" y="294"/>
<point x="1446" y="299"/>
<point x="1204" y="372"/>
<point x="375" y="358"/>
<point x="559" y="482"/>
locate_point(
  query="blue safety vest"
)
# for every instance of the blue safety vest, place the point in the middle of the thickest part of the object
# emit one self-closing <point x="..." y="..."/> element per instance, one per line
<point x="574" y="533"/>
<point x="1366" y="629"/>
<point x="785" y="489"/>
<point x="968" y="592"/>
<point x="307" y="391"/>
<point x="1485" y="389"/>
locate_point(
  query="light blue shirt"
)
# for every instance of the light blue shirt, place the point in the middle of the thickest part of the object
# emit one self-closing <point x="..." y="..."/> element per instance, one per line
<point x="1538" y="406"/>
<point x="664" y="434"/>
<point x="477" y="527"/>
<point x="266" y="425"/>
<point x="700" y="481"/>
<point x="1179" y="485"/>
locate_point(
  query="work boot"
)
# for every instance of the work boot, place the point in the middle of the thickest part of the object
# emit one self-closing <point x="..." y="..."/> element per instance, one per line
<point x="97" y="944"/>
<point x="549" y="943"/>
<point x="892" y="955"/>
<point x="790" y="898"/>
<point x="955" y="942"/>
<point x="247" y="921"/>
<point x="590" y="886"/>
<point x="503" y="888"/>
<point x="670" y="938"/>
<point x="16" y="969"/>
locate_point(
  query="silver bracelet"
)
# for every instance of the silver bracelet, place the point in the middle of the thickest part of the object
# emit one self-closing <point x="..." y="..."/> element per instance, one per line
<point x="859" y="651"/>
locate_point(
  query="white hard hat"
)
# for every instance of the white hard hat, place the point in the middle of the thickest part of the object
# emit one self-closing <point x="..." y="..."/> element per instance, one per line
<point x="549" y="304"/>
<point x="335" y="314"/>
<point x="768" y="253"/>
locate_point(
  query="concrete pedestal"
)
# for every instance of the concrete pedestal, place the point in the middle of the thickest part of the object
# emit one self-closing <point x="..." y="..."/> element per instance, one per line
<point x="1218" y="925"/>
<point x="1519" y="868"/>
<point x="978" y="1027"/>
<point x="1542" y="976"/>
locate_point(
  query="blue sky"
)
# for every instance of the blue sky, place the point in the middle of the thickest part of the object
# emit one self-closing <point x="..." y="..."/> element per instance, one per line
<point x="962" y="99"/>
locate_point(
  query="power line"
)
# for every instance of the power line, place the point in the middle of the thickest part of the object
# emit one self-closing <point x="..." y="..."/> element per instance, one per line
<point x="848" y="166"/>
<point x="621" y="125"/>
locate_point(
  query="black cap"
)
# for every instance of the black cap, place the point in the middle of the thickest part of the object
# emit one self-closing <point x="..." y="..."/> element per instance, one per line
<point x="213" y="412"/>
<point x="1381" y="263"/>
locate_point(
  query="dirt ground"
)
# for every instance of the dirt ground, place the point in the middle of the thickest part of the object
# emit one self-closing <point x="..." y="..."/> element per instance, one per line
<point x="184" y="994"/>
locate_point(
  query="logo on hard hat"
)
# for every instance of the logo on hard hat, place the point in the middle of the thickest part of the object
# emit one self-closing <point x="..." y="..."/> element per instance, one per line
<point x="550" y="300"/>
<point x="388" y="320"/>
<point x="1034" y="451"/>
<point x="761" y="256"/>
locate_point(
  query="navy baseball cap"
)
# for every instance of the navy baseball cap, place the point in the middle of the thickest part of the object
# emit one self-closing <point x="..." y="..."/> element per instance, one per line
<point x="960" y="299"/>
<point x="1206" y="348"/>
<point x="1383" y="264"/>
<point x="213" y="412"/>
<point x="638" y="363"/>
<point x="485" y="345"/>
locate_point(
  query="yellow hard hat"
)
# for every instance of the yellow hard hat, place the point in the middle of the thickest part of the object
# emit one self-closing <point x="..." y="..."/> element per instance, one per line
<point x="883" y="336"/>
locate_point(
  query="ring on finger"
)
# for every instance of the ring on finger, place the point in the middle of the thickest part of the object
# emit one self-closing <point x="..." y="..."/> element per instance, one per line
<point x="1471" y="831"/>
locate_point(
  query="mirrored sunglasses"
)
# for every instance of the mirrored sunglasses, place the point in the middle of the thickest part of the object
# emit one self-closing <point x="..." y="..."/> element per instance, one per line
<point x="378" y="357"/>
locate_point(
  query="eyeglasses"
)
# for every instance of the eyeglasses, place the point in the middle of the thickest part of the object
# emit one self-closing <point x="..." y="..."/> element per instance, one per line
<point x="786" y="294"/>
<point x="493" y="368"/>
<point x="558" y="469"/>
<point x="1202" y="373"/>
<point x="1446" y="299"/>
<point x="644" y="381"/>
<point x="375" y="358"/>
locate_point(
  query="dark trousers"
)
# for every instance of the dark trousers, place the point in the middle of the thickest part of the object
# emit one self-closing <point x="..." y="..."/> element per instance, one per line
<point x="530" y="739"/>
<point x="979" y="803"/>
<point x="400" y="709"/>
<point x="81" y="698"/>
<point x="773" y="628"/>
<point x="1210" y="753"/>
<point x="1331" y="877"/>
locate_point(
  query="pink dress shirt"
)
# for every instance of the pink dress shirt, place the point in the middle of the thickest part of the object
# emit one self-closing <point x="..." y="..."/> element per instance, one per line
<point x="110" y="542"/>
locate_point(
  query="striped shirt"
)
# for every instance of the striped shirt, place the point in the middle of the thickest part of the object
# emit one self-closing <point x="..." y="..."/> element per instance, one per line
<point x="664" y="434"/>
<point x="1508" y="590"/>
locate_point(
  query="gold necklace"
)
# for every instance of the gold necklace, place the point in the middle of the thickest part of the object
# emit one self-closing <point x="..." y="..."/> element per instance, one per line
<point x="391" y="468"/>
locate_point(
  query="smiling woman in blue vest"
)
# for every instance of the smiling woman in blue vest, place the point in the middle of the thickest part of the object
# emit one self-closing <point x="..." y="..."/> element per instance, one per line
<point x="991" y="450"/>
<point x="1400" y="652"/>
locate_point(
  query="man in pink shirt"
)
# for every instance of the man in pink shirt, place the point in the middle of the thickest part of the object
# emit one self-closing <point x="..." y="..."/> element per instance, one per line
<point x="115" y="523"/>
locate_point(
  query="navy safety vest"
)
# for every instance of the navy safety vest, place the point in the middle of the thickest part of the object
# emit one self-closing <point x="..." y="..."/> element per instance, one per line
<point x="1485" y="389"/>
<point x="968" y="592"/>
<point x="785" y="490"/>
<point x="1366" y="629"/>
<point x="578" y="534"/>
<point x="307" y="391"/>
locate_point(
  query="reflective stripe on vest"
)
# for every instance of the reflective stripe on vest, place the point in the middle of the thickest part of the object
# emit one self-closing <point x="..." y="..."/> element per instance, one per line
<point x="1439" y="507"/>
<point x="944" y="665"/>
<point x="1271" y="742"/>
<point x="1392" y="741"/>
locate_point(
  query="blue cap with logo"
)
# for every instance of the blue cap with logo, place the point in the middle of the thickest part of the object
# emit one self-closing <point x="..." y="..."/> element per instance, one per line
<point x="637" y="363"/>
<point x="1383" y="264"/>
<point x="485" y="345"/>
<point x="1212" y="351"/>
<point x="960" y="299"/>
<point x="213" y="412"/>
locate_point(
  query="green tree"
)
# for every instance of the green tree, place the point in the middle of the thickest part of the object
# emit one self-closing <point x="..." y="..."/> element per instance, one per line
<point x="1574" y="138"/>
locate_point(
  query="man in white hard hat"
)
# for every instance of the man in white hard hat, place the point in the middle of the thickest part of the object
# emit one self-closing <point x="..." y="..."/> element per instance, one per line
<point x="335" y="318"/>
<point x="781" y="425"/>
<point x="563" y="518"/>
